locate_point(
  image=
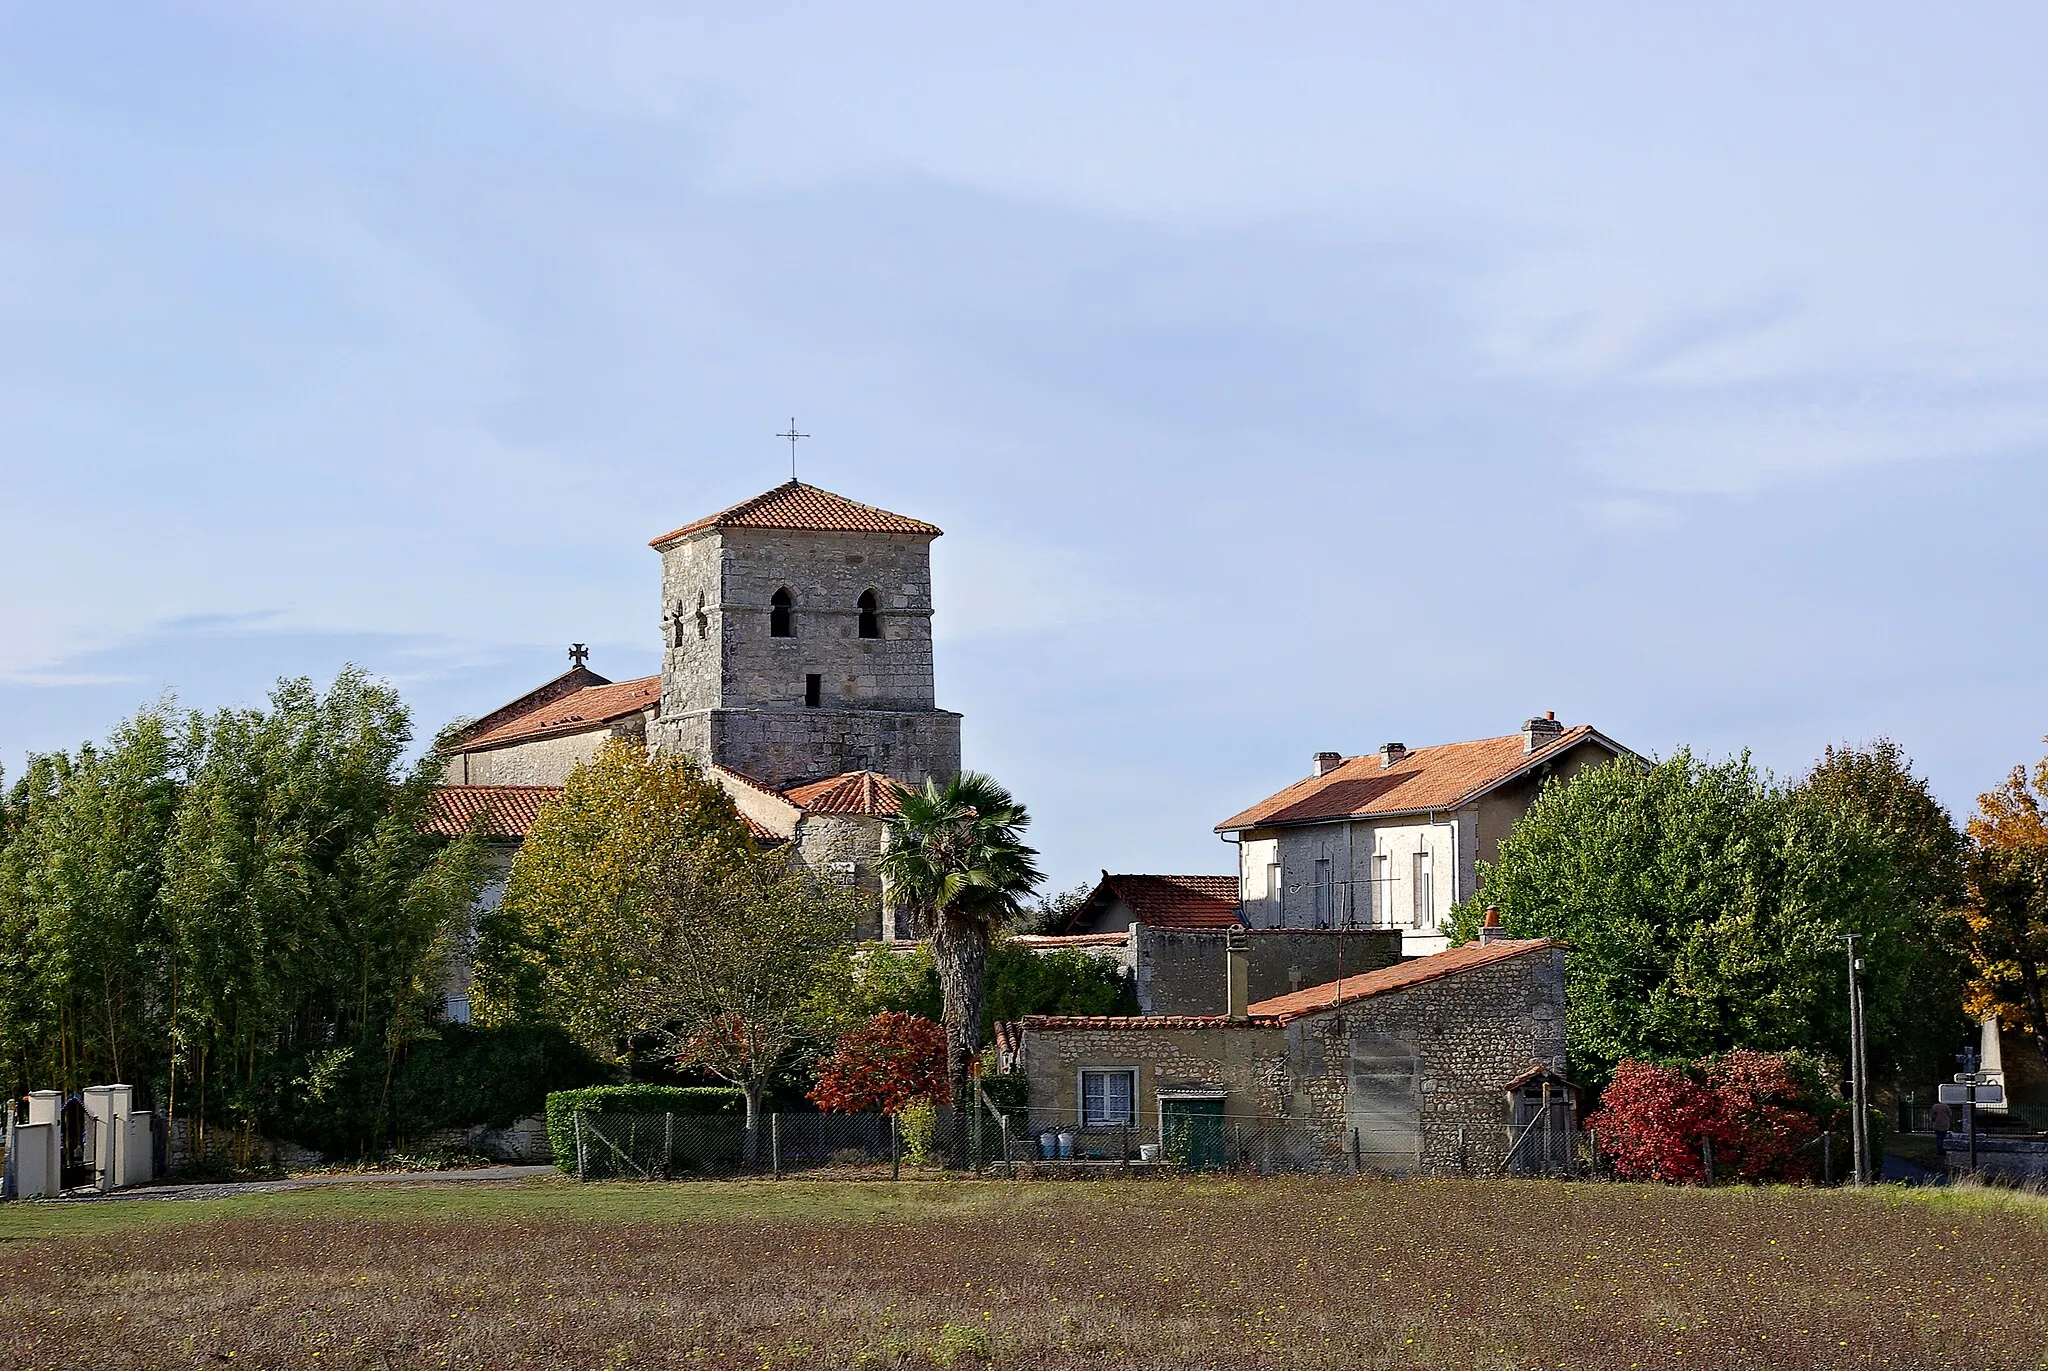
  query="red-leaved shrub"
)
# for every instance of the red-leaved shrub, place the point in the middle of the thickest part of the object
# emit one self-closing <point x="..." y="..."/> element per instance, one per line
<point x="1758" y="1111"/>
<point x="892" y="1060"/>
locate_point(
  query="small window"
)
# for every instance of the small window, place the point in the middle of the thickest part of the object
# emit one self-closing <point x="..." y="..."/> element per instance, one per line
<point x="1425" y="892"/>
<point x="814" y="691"/>
<point x="1326" y="893"/>
<point x="1109" y="1098"/>
<point x="778" y="614"/>
<point x="703" y="619"/>
<point x="870" y="621"/>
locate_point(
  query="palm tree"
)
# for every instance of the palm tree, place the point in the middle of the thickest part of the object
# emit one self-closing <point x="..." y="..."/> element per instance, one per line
<point x="955" y="861"/>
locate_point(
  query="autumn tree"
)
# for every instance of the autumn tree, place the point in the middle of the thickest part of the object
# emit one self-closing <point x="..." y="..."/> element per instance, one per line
<point x="587" y="890"/>
<point x="893" y="1060"/>
<point x="2008" y="903"/>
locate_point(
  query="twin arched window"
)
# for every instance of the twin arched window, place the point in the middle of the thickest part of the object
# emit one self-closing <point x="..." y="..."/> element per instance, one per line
<point x="782" y="615"/>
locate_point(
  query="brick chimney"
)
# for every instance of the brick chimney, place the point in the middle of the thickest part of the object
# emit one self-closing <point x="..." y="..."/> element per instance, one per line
<point x="1540" y="732"/>
<point x="1327" y="762"/>
<point x="1490" y="931"/>
<point x="1391" y="753"/>
<point x="1237" y="974"/>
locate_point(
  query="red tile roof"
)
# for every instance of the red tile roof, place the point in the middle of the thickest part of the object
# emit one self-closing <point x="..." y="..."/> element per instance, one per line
<point x="577" y="712"/>
<point x="1284" y="1009"/>
<point x="794" y="505"/>
<point x="1052" y="942"/>
<point x="1171" y="901"/>
<point x="1400" y="976"/>
<point x="856" y="792"/>
<point x="1440" y="777"/>
<point x="508" y="810"/>
<point x="1137" y="1022"/>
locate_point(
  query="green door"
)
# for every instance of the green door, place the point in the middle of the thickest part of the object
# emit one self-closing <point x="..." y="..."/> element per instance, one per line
<point x="1191" y="1132"/>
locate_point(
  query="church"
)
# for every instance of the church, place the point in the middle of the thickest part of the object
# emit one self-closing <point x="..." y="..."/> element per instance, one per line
<point x="796" y="670"/>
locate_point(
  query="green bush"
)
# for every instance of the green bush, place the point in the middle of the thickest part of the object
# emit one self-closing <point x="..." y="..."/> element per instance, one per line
<point x="630" y="1099"/>
<point x="336" y="1100"/>
<point x="919" y="1125"/>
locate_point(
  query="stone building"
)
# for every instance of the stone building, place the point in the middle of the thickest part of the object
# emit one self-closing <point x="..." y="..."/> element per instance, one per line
<point x="1414" y="1067"/>
<point x="1392" y="839"/>
<point x="796" y="632"/>
<point x="1168" y="935"/>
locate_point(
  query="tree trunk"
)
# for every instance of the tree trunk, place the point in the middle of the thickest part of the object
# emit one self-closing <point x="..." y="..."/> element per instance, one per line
<point x="960" y="951"/>
<point x="2030" y="986"/>
<point x="752" y="1092"/>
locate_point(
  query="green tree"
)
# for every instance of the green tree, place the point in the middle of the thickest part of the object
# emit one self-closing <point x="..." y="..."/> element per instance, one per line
<point x="1705" y="907"/>
<point x="587" y="890"/>
<point x="876" y="980"/>
<point x="955" y="859"/>
<point x="304" y="901"/>
<point x="724" y="966"/>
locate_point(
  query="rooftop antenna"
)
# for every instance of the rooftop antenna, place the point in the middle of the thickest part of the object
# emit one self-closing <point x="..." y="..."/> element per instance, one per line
<point x="792" y="435"/>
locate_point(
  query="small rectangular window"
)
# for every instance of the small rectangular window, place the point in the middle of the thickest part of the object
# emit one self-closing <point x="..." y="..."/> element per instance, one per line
<point x="1425" y="896"/>
<point x="814" y="691"/>
<point x="1109" y="1098"/>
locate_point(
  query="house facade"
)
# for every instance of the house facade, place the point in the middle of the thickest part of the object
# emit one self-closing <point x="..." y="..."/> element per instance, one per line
<point x="1414" y="1068"/>
<point x="1392" y="839"/>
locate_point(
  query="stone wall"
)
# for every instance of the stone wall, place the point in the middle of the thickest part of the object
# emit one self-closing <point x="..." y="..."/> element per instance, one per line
<point x="545" y="761"/>
<point x="843" y="848"/>
<point x="734" y="693"/>
<point x="1180" y="971"/>
<point x="788" y="746"/>
<point x="1426" y="1066"/>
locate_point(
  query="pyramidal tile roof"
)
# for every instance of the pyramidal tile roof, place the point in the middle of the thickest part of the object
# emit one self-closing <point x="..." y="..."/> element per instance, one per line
<point x="796" y="506"/>
<point x="856" y="792"/>
<point x="1425" y="778"/>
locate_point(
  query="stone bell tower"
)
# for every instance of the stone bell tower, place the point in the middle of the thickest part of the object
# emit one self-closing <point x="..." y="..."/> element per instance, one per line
<point x="797" y="637"/>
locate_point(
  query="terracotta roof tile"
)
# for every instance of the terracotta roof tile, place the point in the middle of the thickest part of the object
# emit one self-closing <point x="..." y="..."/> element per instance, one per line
<point x="1284" y="1009"/>
<point x="1052" y="942"/>
<point x="577" y="712"/>
<point x="1399" y="976"/>
<point x="1137" y="1022"/>
<point x="508" y="810"/>
<point x="1440" y="777"/>
<point x="856" y="792"/>
<point x="794" y="505"/>
<point x="1173" y="901"/>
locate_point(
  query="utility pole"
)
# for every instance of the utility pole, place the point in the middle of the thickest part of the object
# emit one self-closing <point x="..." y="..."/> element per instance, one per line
<point x="1858" y="1084"/>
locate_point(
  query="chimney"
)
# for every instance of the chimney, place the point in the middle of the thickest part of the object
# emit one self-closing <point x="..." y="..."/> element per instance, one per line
<point x="1539" y="732"/>
<point x="1327" y="762"/>
<point x="1391" y="753"/>
<point x="1491" y="931"/>
<point x="1237" y="974"/>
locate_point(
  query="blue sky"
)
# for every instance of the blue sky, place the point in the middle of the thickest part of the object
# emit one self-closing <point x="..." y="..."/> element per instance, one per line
<point x="1284" y="380"/>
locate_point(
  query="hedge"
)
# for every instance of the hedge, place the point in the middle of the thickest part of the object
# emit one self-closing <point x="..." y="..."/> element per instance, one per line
<point x="630" y="1099"/>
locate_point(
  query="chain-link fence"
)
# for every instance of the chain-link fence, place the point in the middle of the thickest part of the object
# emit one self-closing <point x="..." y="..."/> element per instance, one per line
<point x="1054" y="1141"/>
<point x="679" y="1146"/>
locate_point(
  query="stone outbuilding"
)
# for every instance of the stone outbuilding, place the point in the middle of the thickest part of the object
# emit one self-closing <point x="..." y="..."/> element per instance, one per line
<point x="1410" y="1068"/>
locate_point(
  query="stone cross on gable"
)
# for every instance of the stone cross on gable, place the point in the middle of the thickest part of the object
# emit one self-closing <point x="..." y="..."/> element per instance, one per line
<point x="578" y="654"/>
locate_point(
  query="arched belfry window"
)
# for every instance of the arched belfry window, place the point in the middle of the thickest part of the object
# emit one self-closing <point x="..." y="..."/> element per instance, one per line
<point x="778" y="614"/>
<point x="870" y="620"/>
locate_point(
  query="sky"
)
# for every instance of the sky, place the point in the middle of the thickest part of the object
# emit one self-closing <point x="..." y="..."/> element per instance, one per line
<point x="1285" y="378"/>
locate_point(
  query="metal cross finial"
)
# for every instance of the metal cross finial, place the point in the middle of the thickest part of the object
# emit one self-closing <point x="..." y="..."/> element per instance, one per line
<point x="578" y="654"/>
<point x="792" y="435"/>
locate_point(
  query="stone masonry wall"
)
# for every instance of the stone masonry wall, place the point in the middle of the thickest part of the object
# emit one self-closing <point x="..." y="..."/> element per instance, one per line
<point x="1233" y="1058"/>
<point x="545" y="761"/>
<point x="1180" y="971"/>
<point x="843" y="848"/>
<point x="735" y="694"/>
<point x="1473" y="1033"/>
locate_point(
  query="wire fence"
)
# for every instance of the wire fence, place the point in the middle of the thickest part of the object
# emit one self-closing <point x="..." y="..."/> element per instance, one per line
<point x="680" y="1146"/>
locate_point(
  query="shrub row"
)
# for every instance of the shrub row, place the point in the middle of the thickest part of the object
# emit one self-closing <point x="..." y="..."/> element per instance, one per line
<point x="630" y="1099"/>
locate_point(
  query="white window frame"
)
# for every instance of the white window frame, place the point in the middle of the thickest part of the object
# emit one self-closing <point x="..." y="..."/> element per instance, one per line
<point x="1423" y="875"/>
<point x="1129" y="1119"/>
